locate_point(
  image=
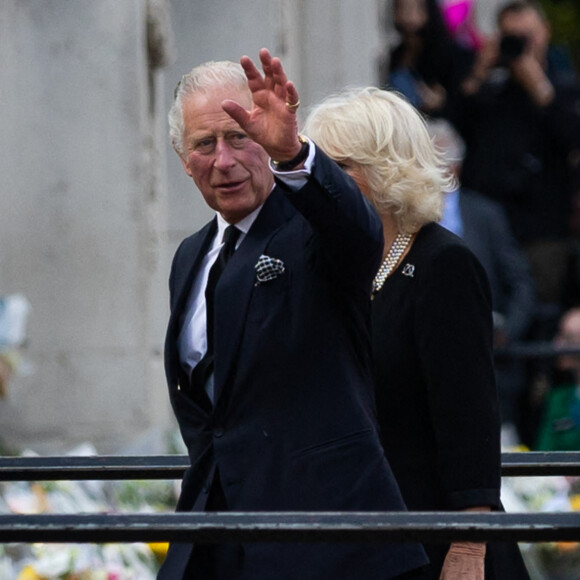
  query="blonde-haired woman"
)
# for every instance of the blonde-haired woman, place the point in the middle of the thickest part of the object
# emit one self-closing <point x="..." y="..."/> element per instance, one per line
<point x="432" y="325"/>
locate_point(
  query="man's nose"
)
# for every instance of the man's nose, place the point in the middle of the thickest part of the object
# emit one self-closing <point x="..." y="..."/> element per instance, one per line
<point x="224" y="155"/>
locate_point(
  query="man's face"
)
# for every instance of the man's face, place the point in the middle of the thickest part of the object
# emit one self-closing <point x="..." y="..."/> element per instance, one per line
<point x="569" y="336"/>
<point x="230" y="169"/>
<point x="528" y="24"/>
<point x="410" y="16"/>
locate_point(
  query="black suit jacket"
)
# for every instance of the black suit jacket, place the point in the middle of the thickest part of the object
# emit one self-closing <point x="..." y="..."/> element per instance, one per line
<point x="488" y="235"/>
<point x="293" y="427"/>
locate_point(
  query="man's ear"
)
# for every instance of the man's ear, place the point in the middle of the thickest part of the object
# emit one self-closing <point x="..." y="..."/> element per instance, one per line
<point x="184" y="163"/>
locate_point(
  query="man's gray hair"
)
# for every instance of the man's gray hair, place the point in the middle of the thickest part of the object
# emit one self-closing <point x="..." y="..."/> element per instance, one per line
<point x="447" y="140"/>
<point x="202" y="78"/>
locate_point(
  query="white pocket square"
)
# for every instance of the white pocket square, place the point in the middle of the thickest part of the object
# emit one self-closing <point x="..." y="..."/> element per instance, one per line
<point x="268" y="268"/>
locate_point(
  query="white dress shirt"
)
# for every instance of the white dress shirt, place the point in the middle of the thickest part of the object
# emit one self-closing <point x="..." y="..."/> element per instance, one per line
<point x="192" y="340"/>
<point x="451" y="218"/>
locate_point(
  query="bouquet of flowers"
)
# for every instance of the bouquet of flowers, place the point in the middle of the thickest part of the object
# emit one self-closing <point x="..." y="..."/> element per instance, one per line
<point x="552" y="560"/>
<point x="134" y="561"/>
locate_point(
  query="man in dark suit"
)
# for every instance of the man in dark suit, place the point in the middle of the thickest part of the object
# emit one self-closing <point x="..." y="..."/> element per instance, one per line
<point x="483" y="225"/>
<point x="273" y="392"/>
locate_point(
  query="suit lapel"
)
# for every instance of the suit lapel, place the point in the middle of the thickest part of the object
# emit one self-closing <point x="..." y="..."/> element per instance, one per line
<point x="235" y="287"/>
<point x="190" y="257"/>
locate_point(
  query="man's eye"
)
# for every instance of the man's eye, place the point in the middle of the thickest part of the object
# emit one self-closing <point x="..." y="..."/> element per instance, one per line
<point x="237" y="140"/>
<point x="204" y="146"/>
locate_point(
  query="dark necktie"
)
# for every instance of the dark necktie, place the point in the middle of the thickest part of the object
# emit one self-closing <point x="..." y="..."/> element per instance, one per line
<point x="204" y="367"/>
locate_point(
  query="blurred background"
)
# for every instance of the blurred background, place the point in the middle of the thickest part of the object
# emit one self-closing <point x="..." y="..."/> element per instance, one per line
<point x="94" y="201"/>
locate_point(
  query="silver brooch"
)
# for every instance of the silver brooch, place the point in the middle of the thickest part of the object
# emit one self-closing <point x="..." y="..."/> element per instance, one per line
<point x="409" y="270"/>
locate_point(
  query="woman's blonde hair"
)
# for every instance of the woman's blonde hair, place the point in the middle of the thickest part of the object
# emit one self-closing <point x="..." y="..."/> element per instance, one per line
<point x="383" y="134"/>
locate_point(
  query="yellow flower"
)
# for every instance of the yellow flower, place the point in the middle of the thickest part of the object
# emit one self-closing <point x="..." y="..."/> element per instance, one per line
<point x="29" y="573"/>
<point x="567" y="546"/>
<point x="159" y="549"/>
<point x="575" y="502"/>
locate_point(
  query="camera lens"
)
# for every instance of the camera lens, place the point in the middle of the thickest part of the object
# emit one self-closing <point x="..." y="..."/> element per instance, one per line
<point x="511" y="47"/>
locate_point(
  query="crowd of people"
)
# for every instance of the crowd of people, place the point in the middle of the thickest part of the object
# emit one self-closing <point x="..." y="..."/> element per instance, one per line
<point x="332" y="331"/>
<point x="513" y="100"/>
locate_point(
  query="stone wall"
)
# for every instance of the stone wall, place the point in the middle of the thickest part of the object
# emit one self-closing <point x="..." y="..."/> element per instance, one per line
<point x="82" y="221"/>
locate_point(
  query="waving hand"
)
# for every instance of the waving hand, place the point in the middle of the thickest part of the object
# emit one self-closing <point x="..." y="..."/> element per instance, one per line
<point x="272" y="120"/>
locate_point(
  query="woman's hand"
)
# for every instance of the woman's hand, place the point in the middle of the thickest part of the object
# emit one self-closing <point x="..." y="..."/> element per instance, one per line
<point x="433" y="97"/>
<point x="464" y="561"/>
<point x="272" y="121"/>
<point x="529" y="73"/>
<point x="485" y="59"/>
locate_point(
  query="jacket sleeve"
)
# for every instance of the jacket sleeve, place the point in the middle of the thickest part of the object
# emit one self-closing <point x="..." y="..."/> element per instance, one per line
<point x="457" y="365"/>
<point x="515" y="275"/>
<point x="348" y="232"/>
<point x="560" y="120"/>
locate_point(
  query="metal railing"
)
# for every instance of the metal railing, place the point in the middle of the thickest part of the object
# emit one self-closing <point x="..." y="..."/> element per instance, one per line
<point x="115" y="467"/>
<point x="535" y="350"/>
<point x="271" y="526"/>
<point x="292" y="527"/>
<point x="285" y="526"/>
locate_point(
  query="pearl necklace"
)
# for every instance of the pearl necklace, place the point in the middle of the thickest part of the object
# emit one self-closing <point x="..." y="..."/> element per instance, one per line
<point x="393" y="256"/>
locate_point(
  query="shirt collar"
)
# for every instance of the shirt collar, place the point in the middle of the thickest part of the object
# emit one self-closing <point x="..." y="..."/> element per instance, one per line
<point x="243" y="225"/>
<point x="451" y="218"/>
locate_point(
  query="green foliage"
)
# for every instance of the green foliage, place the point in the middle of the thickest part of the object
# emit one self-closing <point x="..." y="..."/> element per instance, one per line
<point x="564" y="17"/>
